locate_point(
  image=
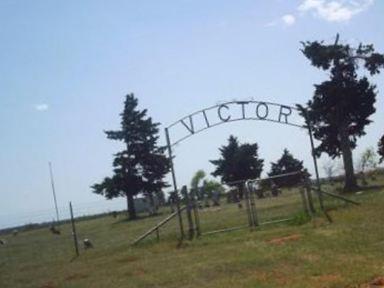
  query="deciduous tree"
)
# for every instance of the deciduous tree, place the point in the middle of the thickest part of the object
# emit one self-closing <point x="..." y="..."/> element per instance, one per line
<point x="368" y="161"/>
<point x="380" y="151"/>
<point x="329" y="168"/>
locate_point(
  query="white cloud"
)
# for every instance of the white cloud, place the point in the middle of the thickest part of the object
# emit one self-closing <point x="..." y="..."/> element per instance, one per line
<point x="288" y="19"/>
<point x="42" y="107"/>
<point x="335" y="10"/>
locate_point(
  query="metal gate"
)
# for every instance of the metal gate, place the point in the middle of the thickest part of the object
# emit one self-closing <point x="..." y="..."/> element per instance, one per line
<point x="249" y="203"/>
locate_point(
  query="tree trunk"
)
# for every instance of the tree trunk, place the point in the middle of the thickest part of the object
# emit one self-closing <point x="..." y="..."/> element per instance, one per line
<point x="131" y="207"/>
<point x="241" y="191"/>
<point x="350" y="184"/>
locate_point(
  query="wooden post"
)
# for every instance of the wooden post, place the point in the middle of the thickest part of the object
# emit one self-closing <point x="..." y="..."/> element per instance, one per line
<point x="308" y="193"/>
<point x="74" y="230"/>
<point x="304" y="200"/>
<point x="195" y="211"/>
<point x="157" y="234"/>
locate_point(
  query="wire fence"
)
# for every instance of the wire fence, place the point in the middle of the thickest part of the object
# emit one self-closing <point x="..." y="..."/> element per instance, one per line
<point x="54" y="245"/>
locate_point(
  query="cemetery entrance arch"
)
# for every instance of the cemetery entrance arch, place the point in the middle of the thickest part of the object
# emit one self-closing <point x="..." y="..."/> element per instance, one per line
<point x="232" y="111"/>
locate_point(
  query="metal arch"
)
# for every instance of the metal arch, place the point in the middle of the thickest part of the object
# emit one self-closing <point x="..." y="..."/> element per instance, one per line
<point x="233" y="102"/>
<point x="232" y="120"/>
<point x="307" y="126"/>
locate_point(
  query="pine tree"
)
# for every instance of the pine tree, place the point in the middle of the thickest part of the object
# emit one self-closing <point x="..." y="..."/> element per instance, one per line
<point x="141" y="166"/>
<point x="238" y="162"/>
<point x="286" y="164"/>
<point x="225" y="165"/>
<point x="341" y="106"/>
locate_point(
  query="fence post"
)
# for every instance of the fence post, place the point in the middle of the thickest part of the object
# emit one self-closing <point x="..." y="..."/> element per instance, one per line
<point x="253" y="204"/>
<point x="74" y="230"/>
<point x="304" y="200"/>
<point x="247" y="203"/>
<point x="308" y="193"/>
<point x="157" y="234"/>
<point x="252" y="193"/>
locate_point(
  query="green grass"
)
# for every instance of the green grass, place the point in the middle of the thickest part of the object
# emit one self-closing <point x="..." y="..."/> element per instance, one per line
<point x="346" y="253"/>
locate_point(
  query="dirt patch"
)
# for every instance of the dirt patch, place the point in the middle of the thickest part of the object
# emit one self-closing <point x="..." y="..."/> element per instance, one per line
<point x="128" y="259"/>
<point x="48" y="285"/>
<point x="283" y="240"/>
<point x="281" y="279"/>
<point x="375" y="283"/>
<point x="75" y="276"/>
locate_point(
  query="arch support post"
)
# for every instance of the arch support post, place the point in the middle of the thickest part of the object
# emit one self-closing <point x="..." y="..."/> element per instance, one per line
<point x="177" y="197"/>
<point x="318" y="184"/>
<point x="315" y="165"/>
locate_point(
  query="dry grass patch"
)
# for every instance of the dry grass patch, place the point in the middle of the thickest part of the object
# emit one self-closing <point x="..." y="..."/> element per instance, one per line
<point x="283" y="240"/>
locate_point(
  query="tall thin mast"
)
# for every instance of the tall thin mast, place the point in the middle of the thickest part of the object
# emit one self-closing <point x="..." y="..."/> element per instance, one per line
<point x="53" y="191"/>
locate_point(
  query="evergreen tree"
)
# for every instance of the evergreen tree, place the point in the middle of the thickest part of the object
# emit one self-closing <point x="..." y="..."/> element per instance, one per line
<point x="380" y="151"/>
<point x="226" y="166"/>
<point x="141" y="166"/>
<point x="286" y="164"/>
<point x="238" y="162"/>
<point x="341" y="106"/>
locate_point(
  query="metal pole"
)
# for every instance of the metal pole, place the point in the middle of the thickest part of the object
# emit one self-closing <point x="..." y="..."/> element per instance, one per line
<point x="74" y="230"/>
<point x="53" y="191"/>
<point x="308" y="122"/>
<point x="253" y="204"/>
<point x="316" y="168"/>
<point x="175" y="185"/>
<point x="247" y="203"/>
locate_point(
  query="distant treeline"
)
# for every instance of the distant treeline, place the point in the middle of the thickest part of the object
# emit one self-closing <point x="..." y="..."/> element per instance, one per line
<point x="33" y="226"/>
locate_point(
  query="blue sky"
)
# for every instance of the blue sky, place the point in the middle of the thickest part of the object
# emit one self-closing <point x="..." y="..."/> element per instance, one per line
<point x="66" y="66"/>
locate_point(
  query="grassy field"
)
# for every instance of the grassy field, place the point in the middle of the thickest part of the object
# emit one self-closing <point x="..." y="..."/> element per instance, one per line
<point x="346" y="253"/>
